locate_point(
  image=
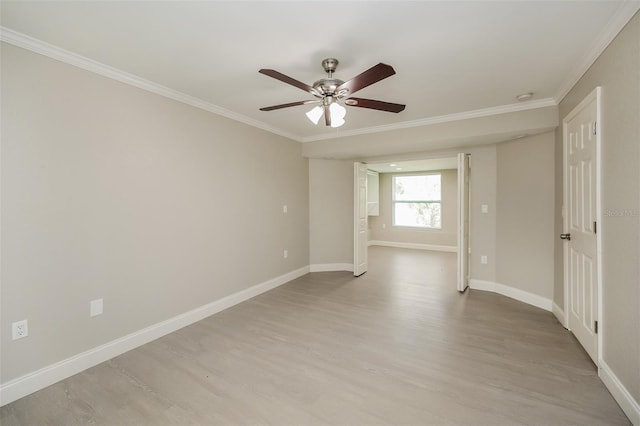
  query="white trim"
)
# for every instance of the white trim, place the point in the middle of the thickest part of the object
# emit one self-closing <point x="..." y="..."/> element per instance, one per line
<point x="622" y="16"/>
<point x="26" y="42"/>
<point x="513" y="293"/>
<point x="43" y="48"/>
<point x="559" y="313"/>
<point x="625" y="12"/>
<point x="629" y="405"/>
<point x="417" y="246"/>
<point x="601" y="228"/>
<point x="32" y="382"/>
<point x="478" y="113"/>
<point x="329" y="267"/>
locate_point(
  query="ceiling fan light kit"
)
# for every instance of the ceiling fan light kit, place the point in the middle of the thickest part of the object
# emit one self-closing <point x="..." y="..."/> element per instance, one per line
<point x="315" y="114"/>
<point x="337" y="112"/>
<point x="331" y="92"/>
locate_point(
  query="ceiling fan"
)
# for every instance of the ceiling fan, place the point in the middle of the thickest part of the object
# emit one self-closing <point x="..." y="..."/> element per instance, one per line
<point x="331" y="92"/>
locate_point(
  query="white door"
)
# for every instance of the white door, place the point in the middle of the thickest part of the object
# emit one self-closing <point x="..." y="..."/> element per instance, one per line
<point x="360" y="223"/>
<point x="580" y="201"/>
<point x="464" y="172"/>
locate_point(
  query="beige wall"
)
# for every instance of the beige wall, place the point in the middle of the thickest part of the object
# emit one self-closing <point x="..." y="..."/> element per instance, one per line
<point x="331" y="201"/>
<point x="462" y="133"/>
<point x="111" y="192"/>
<point x="617" y="70"/>
<point x="446" y="236"/>
<point x="483" y="225"/>
<point x="330" y="211"/>
<point x="501" y="177"/>
<point x="525" y="214"/>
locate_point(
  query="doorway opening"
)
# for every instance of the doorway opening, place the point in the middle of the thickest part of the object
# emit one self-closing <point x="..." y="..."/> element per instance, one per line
<point x="416" y="204"/>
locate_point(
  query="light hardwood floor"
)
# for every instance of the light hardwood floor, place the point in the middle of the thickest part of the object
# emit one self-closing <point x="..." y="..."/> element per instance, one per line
<point x="398" y="345"/>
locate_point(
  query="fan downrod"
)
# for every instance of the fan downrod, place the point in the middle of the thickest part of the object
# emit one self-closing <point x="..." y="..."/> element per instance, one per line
<point x="328" y="86"/>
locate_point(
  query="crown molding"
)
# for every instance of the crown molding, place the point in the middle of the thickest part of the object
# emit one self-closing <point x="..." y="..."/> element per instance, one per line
<point x="43" y="48"/>
<point x="478" y="113"/>
<point x="38" y="46"/>
<point x="622" y="16"/>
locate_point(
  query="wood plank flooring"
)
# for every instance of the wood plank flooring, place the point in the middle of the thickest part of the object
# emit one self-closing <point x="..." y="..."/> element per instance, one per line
<point x="398" y="345"/>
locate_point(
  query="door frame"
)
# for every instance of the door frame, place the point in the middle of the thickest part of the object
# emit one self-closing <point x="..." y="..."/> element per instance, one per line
<point x="595" y="94"/>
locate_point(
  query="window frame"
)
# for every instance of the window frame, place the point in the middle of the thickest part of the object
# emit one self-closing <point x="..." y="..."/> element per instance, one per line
<point x="393" y="201"/>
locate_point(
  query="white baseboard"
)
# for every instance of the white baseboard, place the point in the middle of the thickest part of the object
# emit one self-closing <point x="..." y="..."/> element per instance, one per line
<point x="32" y="382"/>
<point x="514" y="293"/>
<point x="559" y="313"/>
<point x="434" y="247"/>
<point x="328" y="267"/>
<point x="629" y="405"/>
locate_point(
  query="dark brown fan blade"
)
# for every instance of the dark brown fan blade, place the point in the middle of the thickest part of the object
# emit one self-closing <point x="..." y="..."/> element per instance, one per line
<point x="373" y="104"/>
<point x="327" y="115"/>
<point x="367" y="78"/>
<point x="292" y="81"/>
<point x="271" y="108"/>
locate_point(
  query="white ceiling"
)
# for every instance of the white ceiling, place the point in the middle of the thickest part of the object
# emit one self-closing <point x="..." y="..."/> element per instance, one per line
<point x="415" y="165"/>
<point x="450" y="57"/>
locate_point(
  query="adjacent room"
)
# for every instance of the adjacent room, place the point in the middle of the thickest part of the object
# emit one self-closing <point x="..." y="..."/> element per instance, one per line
<point x="303" y="212"/>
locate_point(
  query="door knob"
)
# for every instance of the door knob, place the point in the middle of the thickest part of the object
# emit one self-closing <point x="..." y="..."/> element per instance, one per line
<point x="565" y="237"/>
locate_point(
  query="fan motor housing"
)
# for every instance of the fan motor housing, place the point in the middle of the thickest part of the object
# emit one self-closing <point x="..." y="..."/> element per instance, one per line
<point x="327" y="86"/>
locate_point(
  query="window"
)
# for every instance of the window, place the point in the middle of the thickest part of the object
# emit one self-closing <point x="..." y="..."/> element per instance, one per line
<point x="417" y="201"/>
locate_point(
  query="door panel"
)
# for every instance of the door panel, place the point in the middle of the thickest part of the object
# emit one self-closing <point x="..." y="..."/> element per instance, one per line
<point x="464" y="172"/>
<point x="580" y="197"/>
<point x="360" y="262"/>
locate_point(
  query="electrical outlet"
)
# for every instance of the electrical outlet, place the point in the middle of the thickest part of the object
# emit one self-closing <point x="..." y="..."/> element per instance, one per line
<point x="19" y="329"/>
<point x="483" y="260"/>
<point x="284" y="209"/>
<point x="285" y="254"/>
<point x="484" y="208"/>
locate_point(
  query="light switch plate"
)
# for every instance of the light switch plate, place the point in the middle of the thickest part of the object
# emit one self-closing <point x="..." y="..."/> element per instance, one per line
<point x="95" y="307"/>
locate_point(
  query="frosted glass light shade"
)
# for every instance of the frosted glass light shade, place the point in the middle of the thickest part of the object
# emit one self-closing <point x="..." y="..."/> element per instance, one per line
<point x="337" y="122"/>
<point x="337" y="114"/>
<point x="315" y="114"/>
<point x="336" y="111"/>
